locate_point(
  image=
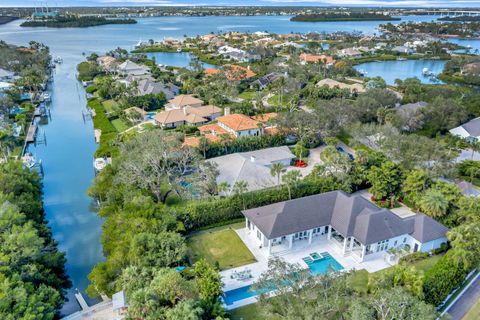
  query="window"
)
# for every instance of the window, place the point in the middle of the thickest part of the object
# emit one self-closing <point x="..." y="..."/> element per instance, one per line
<point x="259" y="235"/>
<point x="404" y="239"/>
<point x="395" y="243"/>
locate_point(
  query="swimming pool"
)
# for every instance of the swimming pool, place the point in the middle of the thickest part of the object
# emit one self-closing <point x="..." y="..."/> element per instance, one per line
<point x="150" y="115"/>
<point x="323" y="264"/>
<point x="232" y="296"/>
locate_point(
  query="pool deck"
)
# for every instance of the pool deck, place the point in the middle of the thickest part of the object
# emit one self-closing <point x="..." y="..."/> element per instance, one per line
<point x="300" y="250"/>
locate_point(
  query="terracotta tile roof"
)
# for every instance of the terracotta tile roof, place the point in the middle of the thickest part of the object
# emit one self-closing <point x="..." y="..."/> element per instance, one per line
<point x="232" y="72"/>
<point x="177" y="115"/>
<point x="238" y="122"/>
<point x="265" y="117"/>
<point x="316" y="58"/>
<point x="206" y="111"/>
<point x="209" y="128"/>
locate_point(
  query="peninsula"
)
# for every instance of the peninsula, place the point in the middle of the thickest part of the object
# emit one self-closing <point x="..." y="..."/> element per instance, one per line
<point x="350" y="16"/>
<point x="75" y="22"/>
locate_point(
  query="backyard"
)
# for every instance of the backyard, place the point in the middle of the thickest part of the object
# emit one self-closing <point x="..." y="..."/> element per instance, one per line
<point x="221" y="245"/>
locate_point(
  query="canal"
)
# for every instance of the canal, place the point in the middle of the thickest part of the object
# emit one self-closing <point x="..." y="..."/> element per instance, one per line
<point x="67" y="157"/>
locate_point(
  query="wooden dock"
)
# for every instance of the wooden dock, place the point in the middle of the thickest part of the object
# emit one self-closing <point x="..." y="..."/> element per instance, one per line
<point x="32" y="132"/>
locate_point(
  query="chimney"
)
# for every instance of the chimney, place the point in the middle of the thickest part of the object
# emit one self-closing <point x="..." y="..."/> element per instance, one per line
<point x="185" y="111"/>
<point x="252" y="158"/>
<point x="214" y="133"/>
<point x="248" y="67"/>
<point x="226" y="111"/>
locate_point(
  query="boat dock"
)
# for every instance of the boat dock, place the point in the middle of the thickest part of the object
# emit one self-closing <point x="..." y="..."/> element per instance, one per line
<point x="32" y="132"/>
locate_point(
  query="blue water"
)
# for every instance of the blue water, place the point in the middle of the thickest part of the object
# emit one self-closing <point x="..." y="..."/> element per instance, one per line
<point x="150" y="115"/>
<point x="324" y="265"/>
<point x="473" y="46"/>
<point x="68" y="156"/>
<point x="318" y="267"/>
<point x="391" y="70"/>
<point x="175" y="59"/>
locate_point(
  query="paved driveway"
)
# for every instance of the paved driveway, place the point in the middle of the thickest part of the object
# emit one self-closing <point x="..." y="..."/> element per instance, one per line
<point x="461" y="307"/>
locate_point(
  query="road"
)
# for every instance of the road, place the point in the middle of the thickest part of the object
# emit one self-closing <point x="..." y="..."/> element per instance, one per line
<point x="461" y="307"/>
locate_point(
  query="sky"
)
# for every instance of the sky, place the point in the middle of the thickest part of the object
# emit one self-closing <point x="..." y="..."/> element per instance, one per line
<point x="391" y="3"/>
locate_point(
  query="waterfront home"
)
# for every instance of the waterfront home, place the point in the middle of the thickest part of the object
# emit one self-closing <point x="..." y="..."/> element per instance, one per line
<point x="349" y="53"/>
<point x="232" y="72"/>
<point x="108" y="63"/>
<point x="469" y="130"/>
<point x="472" y="68"/>
<point x="353" y="88"/>
<point x="182" y="101"/>
<point x="235" y="125"/>
<point x="187" y="115"/>
<point x="264" y="81"/>
<point x="130" y="68"/>
<point x="252" y="167"/>
<point x="313" y="58"/>
<point x="208" y="37"/>
<point x="355" y="225"/>
<point x="402" y="49"/>
<point x="5" y="75"/>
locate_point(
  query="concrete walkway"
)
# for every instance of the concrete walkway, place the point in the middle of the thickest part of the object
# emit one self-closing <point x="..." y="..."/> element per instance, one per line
<point x="466" y="301"/>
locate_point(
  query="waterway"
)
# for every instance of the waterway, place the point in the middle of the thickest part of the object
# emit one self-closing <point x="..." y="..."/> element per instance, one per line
<point x="392" y="70"/>
<point x="176" y="59"/>
<point x="67" y="157"/>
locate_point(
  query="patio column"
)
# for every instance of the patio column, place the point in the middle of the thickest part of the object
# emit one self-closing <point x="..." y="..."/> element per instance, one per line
<point x="310" y="236"/>
<point x="351" y="244"/>
<point x="364" y="250"/>
<point x="345" y="242"/>
<point x="269" y="246"/>
<point x="290" y="242"/>
<point x="246" y="223"/>
<point x="329" y="232"/>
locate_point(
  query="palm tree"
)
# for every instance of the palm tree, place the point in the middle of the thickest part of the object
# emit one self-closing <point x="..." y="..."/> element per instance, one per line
<point x="475" y="146"/>
<point x="276" y="170"/>
<point x="239" y="189"/>
<point x="434" y="203"/>
<point x="223" y="187"/>
<point x="291" y="179"/>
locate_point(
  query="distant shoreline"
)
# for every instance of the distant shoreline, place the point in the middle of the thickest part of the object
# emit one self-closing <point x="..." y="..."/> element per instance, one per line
<point x="341" y="18"/>
<point x="74" y="22"/>
<point x="7" y="19"/>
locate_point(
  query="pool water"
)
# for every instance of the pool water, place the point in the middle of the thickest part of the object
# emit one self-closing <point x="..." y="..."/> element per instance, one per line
<point x="238" y="294"/>
<point x="324" y="265"/>
<point x="150" y="115"/>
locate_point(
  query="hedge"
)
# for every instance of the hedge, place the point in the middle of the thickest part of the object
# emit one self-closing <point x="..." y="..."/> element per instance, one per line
<point x="109" y="133"/>
<point x="445" y="276"/>
<point x="202" y="213"/>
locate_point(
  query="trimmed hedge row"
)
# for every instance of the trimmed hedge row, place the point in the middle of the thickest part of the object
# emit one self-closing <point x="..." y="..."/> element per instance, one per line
<point x="109" y="133"/>
<point x="445" y="276"/>
<point x="199" y="214"/>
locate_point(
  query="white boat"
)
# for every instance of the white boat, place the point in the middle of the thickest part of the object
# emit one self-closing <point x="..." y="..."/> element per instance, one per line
<point x="29" y="160"/>
<point x="179" y="50"/>
<point x="139" y="44"/>
<point x="58" y="60"/>
<point x="46" y="97"/>
<point x="100" y="163"/>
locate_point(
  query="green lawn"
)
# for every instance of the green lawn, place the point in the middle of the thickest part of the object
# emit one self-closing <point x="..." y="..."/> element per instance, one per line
<point x="120" y="125"/>
<point x="426" y="264"/>
<point x="220" y="244"/>
<point x="110" y="105"/>
<point x="248" y="312"/>
<point x="474" y="312"/>
<point x="247" y="95"/>
<point x="275" y="100"/>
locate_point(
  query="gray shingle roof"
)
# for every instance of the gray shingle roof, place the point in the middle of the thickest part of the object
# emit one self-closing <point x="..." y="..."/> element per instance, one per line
<point x="350" y="215"/>
<point x="473" y="127"/>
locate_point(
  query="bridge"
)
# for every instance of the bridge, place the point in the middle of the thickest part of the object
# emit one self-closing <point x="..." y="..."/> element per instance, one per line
<point x="444" y="12"/>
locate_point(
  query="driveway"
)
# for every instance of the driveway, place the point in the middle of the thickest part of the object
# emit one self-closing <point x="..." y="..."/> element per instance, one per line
<point x="467" y="300"/>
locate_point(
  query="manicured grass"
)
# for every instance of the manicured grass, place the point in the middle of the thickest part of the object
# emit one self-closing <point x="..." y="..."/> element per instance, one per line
<point x="474" y="312"/>
<point x="248" y="312"/>
<point x="221" y="245"/>
<point x="120" y="125"/>
<point x="247" y="95"/>
<point x="426" y="264"/>
<point x="110" y="105"/>
<point x="275" y="100"/>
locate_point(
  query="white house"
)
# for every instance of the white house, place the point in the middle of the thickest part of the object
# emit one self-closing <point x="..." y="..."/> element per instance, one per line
<point x="130" y="68"/>
<point x="240" y="125"/>
<point x="469" y="130"/>
<point x="357" y="226"/>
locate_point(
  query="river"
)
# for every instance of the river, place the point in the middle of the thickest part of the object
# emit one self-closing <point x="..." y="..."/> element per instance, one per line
<point x="67" y="157"/>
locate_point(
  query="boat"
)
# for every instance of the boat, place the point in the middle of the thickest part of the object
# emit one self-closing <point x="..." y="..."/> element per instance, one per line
<point x="401" y="59"/>
<point x="58" y="60"/>
<point x="139" y="44"/>
<point x="100" y="163"/>
<point x="179" y="50"/>
<point x="427" y="73"/>
<point x="46" y="97"/>
<point x="29" y="160"/>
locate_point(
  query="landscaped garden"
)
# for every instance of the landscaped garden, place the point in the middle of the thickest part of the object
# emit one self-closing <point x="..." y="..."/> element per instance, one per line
<point x="221" y="245"/>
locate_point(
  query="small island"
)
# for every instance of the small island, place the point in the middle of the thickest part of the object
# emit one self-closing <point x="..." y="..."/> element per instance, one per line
<point x="461" y="18"/>
<point x="74" y="22"/>
<point x="350" y="16"/>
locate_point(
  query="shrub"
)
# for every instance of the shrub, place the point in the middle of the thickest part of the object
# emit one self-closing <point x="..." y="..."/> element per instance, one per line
<point x="445" y="276"/>
<point x="91" y="89"/>
<point x="413" y="257"/>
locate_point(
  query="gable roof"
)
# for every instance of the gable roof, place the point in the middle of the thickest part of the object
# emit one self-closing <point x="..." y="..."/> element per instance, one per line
<point x="472" y="127"/>
<point x="316" y="58"/>
<point x="232" y="72"/>
<point x="184" y="100"/>
<point x="349" y="215"/>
